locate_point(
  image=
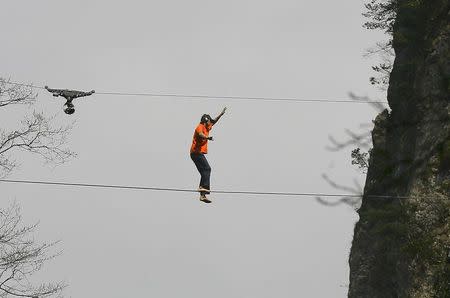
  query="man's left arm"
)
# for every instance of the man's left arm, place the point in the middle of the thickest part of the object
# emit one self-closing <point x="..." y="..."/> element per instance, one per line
<point x="220" y="115"/>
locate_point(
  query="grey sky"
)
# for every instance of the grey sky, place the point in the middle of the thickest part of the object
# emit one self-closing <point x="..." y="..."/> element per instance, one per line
<point x="156" y="244"/>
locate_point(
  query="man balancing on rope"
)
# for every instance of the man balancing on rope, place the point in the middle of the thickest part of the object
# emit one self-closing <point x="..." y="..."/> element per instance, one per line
<point x="198" y="150"/>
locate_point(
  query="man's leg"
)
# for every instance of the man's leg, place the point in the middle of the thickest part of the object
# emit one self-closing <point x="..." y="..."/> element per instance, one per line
<point x="205" y="173"/>
<point x="199" y="161"/>
<point x="203" y="167"/>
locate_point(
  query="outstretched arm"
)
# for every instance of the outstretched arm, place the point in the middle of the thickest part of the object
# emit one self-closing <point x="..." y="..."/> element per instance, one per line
<point x="220" y="115"/>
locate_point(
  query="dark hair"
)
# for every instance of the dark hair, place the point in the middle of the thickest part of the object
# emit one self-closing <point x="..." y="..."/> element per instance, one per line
<point x="205" y="118"/>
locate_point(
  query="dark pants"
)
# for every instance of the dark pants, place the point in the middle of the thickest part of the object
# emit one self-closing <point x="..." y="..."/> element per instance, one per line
<point x="203" y="168"/>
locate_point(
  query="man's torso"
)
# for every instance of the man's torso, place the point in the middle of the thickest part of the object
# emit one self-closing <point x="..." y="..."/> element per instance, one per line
<point x="199" y="144"/>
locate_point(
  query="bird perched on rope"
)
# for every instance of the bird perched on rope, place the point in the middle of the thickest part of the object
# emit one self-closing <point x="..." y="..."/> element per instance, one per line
<point x="69" y="95"/>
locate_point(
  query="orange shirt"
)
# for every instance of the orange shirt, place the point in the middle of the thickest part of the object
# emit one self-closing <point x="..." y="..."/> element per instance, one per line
<point x="199" y="144"/>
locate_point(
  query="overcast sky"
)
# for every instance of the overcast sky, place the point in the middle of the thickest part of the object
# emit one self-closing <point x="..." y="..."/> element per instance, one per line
<point x="122" y="243"/>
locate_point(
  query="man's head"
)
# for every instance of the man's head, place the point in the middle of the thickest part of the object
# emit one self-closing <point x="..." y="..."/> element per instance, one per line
<point x="206" y="119"/>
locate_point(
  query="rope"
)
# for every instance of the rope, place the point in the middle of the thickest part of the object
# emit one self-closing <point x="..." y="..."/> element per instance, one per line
<point x="191" y="96"/>
<point x="291" y="194"/>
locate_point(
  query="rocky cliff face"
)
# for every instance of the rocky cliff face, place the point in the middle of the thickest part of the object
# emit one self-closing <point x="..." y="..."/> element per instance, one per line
<point x="401" y="246"/>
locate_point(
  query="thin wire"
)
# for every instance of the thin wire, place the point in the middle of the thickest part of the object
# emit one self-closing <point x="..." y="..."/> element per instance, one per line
<point x="292" y="194"/>
<point x="193" y="96"/>
<point x="278" y="99"/>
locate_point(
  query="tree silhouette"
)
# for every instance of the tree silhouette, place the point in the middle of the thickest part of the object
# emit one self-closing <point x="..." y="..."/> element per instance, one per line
<point x="20" y="255"/>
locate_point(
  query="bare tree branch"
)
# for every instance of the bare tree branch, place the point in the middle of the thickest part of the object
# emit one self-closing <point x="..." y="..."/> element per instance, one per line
<point x="21" y="256"/>
<point x="37" y="135"/>
<point x="354" y="200"/>
<point x="15" y="94"/>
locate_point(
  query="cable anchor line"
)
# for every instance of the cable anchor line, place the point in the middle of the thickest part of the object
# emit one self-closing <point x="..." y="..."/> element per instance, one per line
<point x="130" y="187"/>
<point x="211" y="97"/>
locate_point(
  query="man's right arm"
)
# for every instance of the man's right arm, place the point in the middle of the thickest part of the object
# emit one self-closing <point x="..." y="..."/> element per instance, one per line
<point x="203" y="136"/>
